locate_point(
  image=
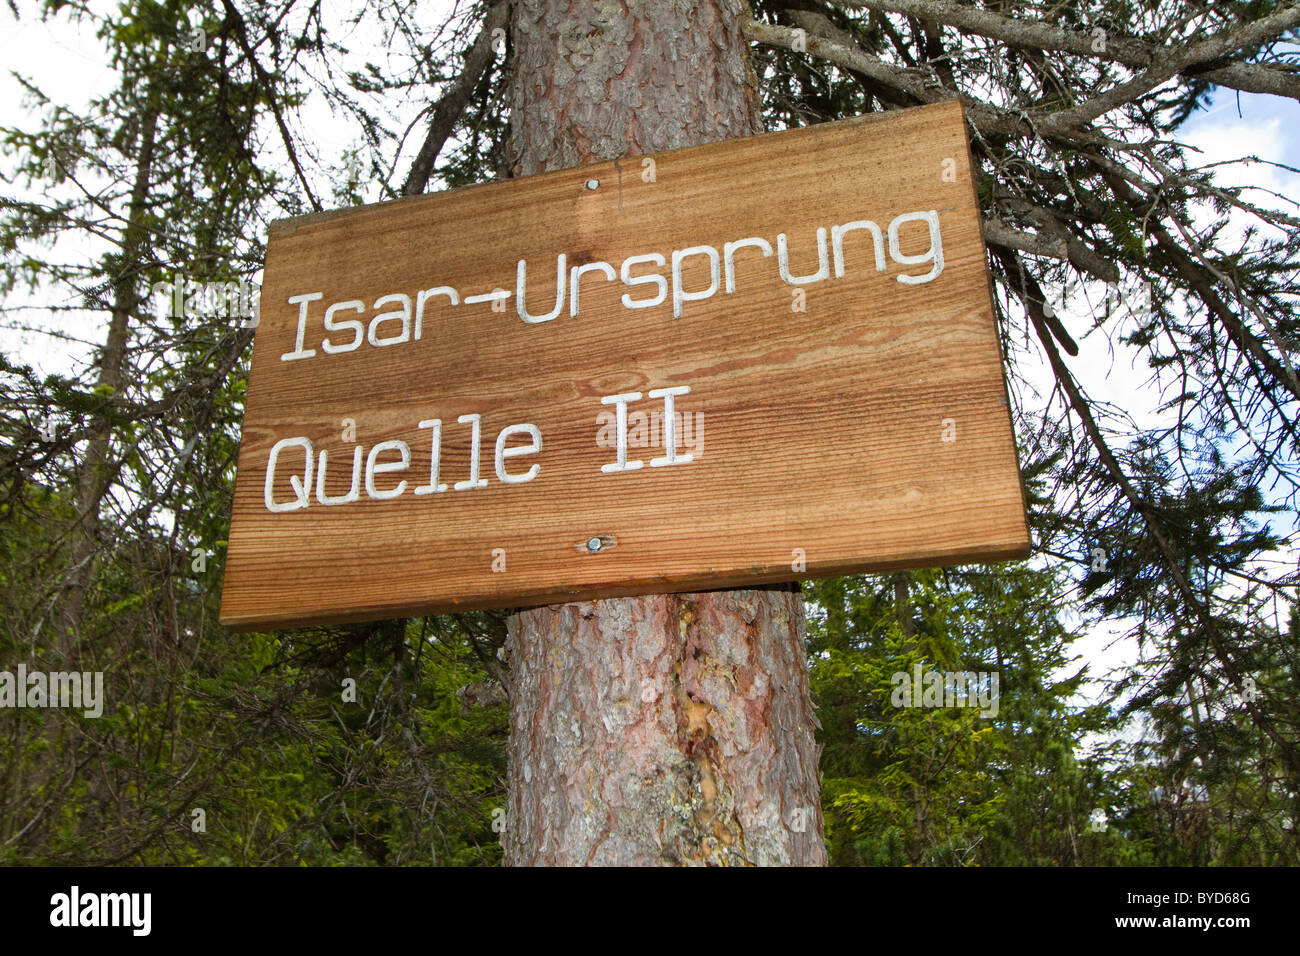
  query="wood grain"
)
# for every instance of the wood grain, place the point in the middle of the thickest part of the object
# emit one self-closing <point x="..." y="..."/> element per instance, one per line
<point x="823" y="430"/>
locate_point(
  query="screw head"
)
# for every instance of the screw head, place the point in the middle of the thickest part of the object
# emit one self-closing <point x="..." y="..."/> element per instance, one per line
<point x="593" y="183"/>
<point x="593" y="544"/>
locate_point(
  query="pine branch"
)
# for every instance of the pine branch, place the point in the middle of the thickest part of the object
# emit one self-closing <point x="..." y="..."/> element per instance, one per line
<point x="1015" y="272"/>
<point x="452" y="104"/>
<point x="241" y="37"/>
<point x="1169" y="65"/>
<point x="1117" y="48"/>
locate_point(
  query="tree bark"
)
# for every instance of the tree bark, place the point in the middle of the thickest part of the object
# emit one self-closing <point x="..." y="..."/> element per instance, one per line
<point x="669" y="729"/>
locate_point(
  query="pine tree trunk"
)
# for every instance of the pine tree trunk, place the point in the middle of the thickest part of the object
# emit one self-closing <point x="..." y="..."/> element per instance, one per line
<point x="93" y="480"/>
<point x="670" y="729"/>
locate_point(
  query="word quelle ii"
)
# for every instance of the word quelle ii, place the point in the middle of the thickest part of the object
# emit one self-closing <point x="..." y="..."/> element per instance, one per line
<point x="391" y="458"/>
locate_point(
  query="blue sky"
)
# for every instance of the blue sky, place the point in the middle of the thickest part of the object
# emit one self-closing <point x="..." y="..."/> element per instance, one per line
<point x="1253" y="108"/>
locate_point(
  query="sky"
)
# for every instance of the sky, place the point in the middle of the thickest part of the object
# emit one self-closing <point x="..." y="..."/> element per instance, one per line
<point x="1232" y="127"/>
<point x="70" y="66"/>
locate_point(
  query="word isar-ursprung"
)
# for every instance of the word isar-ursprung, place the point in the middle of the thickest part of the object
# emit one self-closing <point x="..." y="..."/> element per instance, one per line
<point x="406" y="322"/>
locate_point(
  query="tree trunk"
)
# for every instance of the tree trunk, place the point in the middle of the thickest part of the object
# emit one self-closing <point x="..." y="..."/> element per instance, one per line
<point x="93" y="479"/>
<point x="670" y="729"/>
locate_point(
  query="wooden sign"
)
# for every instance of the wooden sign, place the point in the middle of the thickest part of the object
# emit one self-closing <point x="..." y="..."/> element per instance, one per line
<point x="748" y="362"/>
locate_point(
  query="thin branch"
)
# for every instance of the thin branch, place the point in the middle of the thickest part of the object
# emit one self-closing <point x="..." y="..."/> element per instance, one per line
<point x="1116" y="48"/>
<point x="241" y="37"/>
<point x="1246" y="36"/>
<point x="452" y="104"/>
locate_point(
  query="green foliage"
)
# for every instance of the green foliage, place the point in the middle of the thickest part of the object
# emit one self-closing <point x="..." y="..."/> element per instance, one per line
<point x="250" y="734"/>
<point x="951" y="785"/>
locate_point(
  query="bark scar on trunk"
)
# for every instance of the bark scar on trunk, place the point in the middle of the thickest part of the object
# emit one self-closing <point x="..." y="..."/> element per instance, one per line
<point x="717" y="837"/>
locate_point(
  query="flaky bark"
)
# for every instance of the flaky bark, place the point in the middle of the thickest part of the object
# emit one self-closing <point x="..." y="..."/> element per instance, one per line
<point x="671" y="729"/>
<point x="598" y="79"/>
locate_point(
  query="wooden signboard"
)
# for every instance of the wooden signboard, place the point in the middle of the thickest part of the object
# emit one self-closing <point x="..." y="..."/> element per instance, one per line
<point x="748" y="362"/>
